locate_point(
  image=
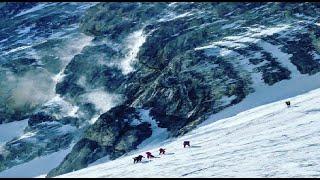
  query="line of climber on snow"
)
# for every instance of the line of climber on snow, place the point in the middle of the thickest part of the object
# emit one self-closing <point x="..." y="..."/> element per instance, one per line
<point x="161" y="152"/>
<point x="185" y="143"/>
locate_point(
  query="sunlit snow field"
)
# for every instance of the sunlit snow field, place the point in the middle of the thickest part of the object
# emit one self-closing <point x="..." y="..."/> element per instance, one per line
<point x="267" y="141"/>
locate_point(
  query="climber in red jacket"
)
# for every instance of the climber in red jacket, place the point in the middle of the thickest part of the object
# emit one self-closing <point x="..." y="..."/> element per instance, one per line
<point x="149" y="155"/>
<point x="161" y="151"/>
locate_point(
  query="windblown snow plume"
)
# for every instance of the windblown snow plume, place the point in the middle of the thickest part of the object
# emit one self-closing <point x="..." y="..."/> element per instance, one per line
<point x="102" y="100"/>
<point x="34" y="88"/>
<point x="134" y="42"/>
<point x="37" y="86"/>
<point x="72" y="48"/>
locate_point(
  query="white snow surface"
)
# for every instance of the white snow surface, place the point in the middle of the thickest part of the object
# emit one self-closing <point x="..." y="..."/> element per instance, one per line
<point x="158" y="134"/>
<point x="10" y="130"/>
<point x="172" y="16"/>
<point x="37" y="167"/>
<point x="35" y="8"/>
<point x="282" y="57"/>
<point x="232" y="25"/>
<point x="252" y="35"/>
<point x="271" y="140"/>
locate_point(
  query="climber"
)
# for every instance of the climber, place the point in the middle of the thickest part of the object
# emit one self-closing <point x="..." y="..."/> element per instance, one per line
<point x="137" y="159"/>
<point x="162" y="151"/>
<point x="288" y="103"/>
<point x="149" y="155"/>
<point x="186" y="143"/>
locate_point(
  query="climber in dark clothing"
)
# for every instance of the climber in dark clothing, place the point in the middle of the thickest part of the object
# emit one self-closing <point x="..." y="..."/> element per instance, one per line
<point x="149" y="155"/>
<point x="186" y="143"/>
<point x="162" y="151"/>
<point x="288" y="103"/>
<point x="137" y="159"/>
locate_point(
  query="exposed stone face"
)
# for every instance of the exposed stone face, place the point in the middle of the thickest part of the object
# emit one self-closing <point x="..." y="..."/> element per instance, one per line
<point x="180" y="85"/>
<point x="43" y="139"/>
<point x="83" y="153"/>
<point x="90" y="70"/>
<point x="302" y="57"/>
<point x="39" y="118"/>
<point x="37" y="41"/>
<point x="117" y="20"/>
<point x="111" y="135"/>
<point x="185" y="90"/>
<point x="176" y="76"/>
<point x="8" y="10"/>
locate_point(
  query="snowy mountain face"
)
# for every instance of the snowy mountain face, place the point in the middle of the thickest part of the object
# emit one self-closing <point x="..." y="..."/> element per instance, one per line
<point x="85" y="81"/>
<point x="37" y="41"/>
<point x="266" y="141"/>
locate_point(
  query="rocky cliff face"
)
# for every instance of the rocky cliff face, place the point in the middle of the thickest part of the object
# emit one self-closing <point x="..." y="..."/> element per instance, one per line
<point x="180" y="61"/>
<point x="113" y="134"/>
<point x="199" y="58"/>
<point x="37" y="41"/>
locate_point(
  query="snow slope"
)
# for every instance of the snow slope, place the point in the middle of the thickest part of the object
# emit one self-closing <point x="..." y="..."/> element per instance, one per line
<point x="10" y="130"/>
<point x="267" y="141"/>
<point x="39" y="166"/>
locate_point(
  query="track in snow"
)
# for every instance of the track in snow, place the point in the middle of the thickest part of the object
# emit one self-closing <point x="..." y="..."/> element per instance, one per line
<point x="267" y="141"/>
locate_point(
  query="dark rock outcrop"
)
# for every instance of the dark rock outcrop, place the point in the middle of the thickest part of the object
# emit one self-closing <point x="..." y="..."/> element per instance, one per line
<point x="42" y="139"/>
<point x="39" y="118"/>
<point x="111" y="135"/>
<point x="117" y="20"/>
<point x="176" y="76"/>
<point x="9" y="9"/>
<point x="180" y="86"/>
<point x="91" y="66"/>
